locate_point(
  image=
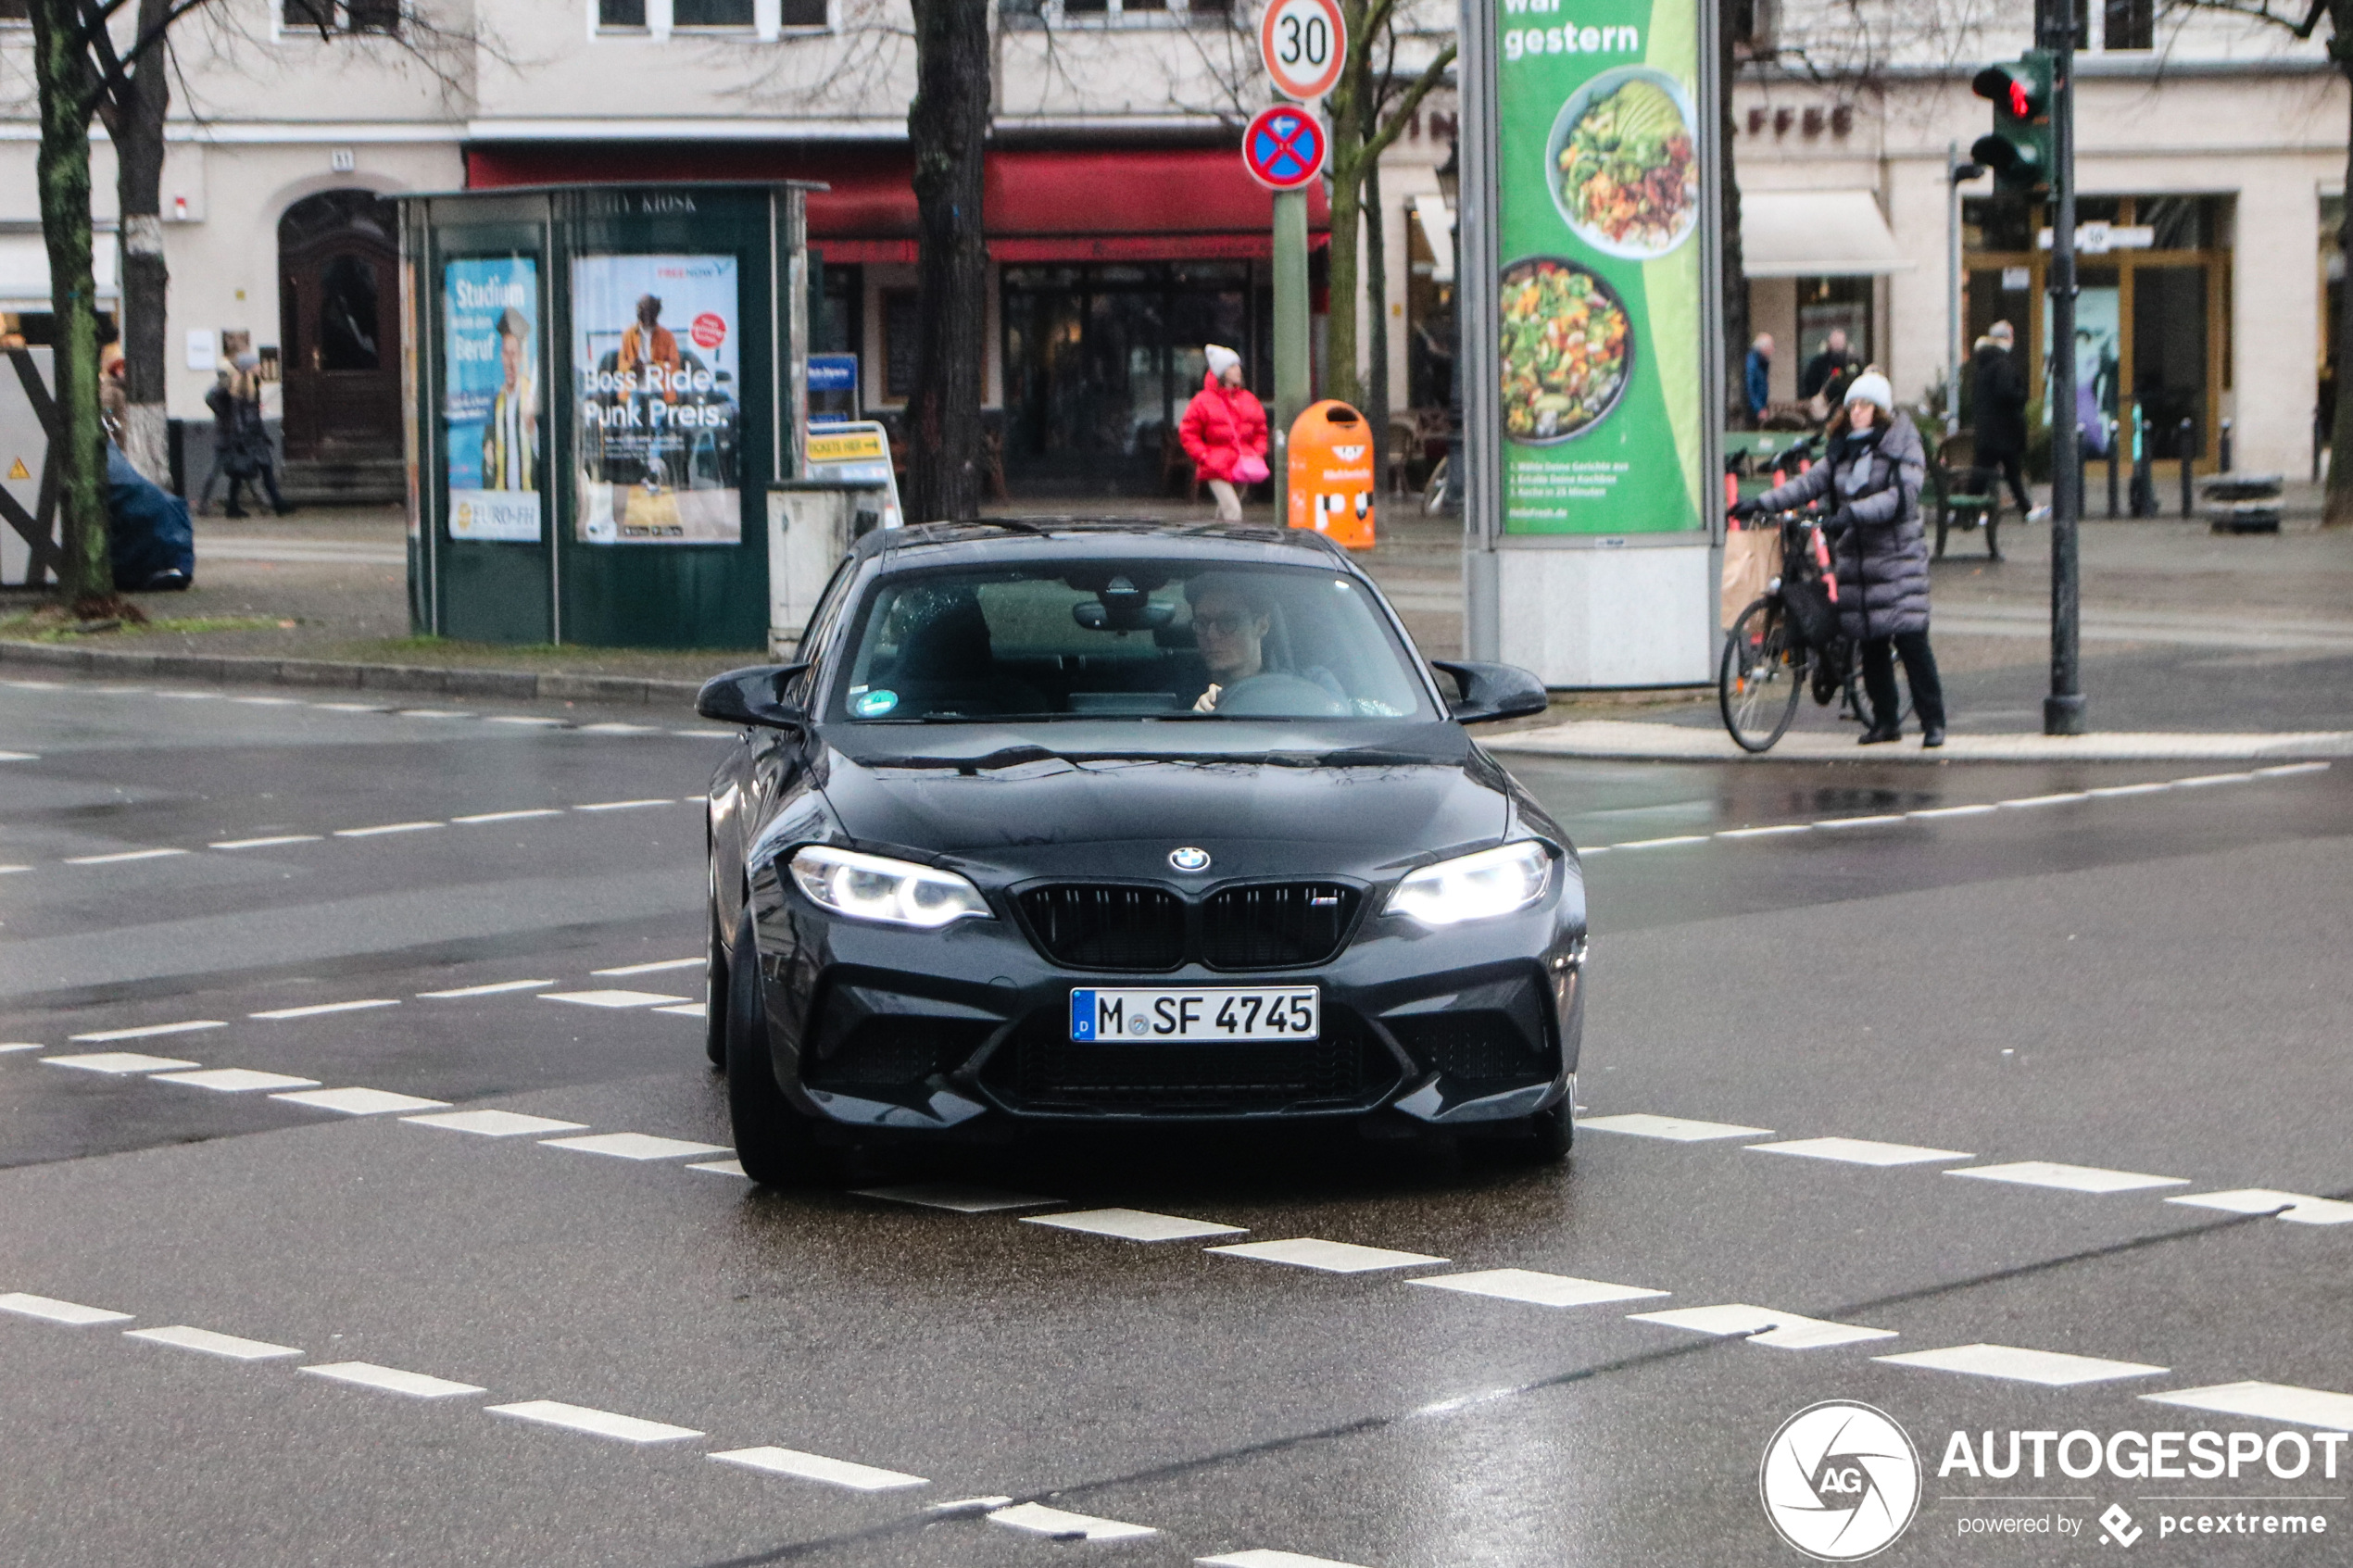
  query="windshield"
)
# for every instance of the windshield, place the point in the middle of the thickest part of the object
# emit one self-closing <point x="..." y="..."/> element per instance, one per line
<point x="1127" y="639"/>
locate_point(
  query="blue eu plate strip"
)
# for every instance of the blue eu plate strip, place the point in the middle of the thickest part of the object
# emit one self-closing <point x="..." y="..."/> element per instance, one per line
<point x="1082" y="1015"/>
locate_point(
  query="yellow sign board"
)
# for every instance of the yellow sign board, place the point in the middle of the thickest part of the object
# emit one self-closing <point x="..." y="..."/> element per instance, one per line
<point x="849" y="447"/>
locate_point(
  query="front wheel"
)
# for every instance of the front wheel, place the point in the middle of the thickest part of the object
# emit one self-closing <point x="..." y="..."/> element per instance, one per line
<point x="776" y="1145"/>
<point x="1760" y="678"/>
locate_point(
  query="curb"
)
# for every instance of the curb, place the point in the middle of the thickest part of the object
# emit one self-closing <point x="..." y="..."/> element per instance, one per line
<point x="521" y="685"/>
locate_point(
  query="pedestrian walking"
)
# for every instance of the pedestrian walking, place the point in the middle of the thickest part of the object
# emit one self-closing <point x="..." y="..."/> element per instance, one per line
<point x="1822" y="371"/>
<point x="228" y="456"/>
<point x="1758" y="377"/>
<point x="1997" y="403"/>
<point x="251" y="458"/>
<point x="1871" y="474"/>
<point x="1224" y="431"/>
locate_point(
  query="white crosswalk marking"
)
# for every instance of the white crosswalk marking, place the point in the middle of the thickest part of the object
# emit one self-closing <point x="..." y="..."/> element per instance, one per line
<point x="2296" y="1207"/>
<point x="117" y="1062"/>
<point x="817" y="1467"/>
<point x="360" y="1102"/>
<point x="683" y="1010"/>
<point x="656" y="967"/>
<point x="121" y="856"/>
<point x="2267" y="1401"/>
<point x="1135" y="1224"/>
<point x="237" y="1080"/>
<point x="620" y="804"/>
<point x="1858" y="1151"/>
<point x="148" y="1031"/>
<point x="1040" y="1520"/>
<point x="182" y="1337"/>
<point x="1260" y="1557"/>
<point x="493" y="1124"/>
<point x="2071" y="1178"/>
<point x="385" y="828"/>
<point x="50" y="1310"/>
<point x="1762" y="1325"/>
<point x="319" y="1010"/>
<point x="956" y="1196"/>
<point x="392" y="1380"/>
<point x="721" y="1167"/>
<point x="10" y="1048"/>
<point x="596" y="1422"/>
<point x="481" y="817"/>
<point x="611" y="998"/>
<point x="1330" y="1257"/>
<point x="1680" y="1130"/>
<point x="636" y="1146"/>
<point x="267" y="843"/>
<point x="2052" y="1369"/>
<point x="1542" y="1289"/>
<point x="495" y="988"/>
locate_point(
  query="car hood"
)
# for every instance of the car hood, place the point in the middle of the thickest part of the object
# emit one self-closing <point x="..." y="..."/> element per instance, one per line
<point x="1102" y="804"/>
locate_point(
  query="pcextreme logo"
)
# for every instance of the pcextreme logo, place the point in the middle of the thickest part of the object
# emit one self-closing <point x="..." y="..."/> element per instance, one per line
<point x="1839" y="1481"/>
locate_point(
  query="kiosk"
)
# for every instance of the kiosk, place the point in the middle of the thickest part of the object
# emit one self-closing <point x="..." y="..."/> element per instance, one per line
<point x="607" y="394"/>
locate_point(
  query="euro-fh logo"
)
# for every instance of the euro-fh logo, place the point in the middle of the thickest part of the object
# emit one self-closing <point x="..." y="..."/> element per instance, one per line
<point x="1839" y="1481"/>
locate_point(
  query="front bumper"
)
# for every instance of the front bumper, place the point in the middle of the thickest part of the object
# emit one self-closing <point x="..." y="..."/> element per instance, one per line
<point x="876" y="1027"/>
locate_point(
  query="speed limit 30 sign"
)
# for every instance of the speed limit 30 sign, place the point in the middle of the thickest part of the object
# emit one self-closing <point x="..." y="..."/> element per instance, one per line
<point x="1302" y="43"/>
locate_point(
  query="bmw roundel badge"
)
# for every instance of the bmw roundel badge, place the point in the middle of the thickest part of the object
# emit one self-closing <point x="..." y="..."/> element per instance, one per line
<point x="1190" y="860"/>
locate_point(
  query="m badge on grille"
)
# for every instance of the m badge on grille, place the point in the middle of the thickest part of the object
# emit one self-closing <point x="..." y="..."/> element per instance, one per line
<point x="1190" y="860"/>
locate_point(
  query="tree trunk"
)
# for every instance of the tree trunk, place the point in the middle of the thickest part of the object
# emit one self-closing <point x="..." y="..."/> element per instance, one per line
<point x="947" y="124"/>
<point x="1734" y="275"/>
<point x="1347" y="162"/>
<point x="137" y="132"/>
<point x="1377" y="345"/>
<point x="61" y="171"/>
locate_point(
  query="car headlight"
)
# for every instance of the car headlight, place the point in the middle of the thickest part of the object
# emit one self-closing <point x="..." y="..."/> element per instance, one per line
<point x="895" y="892"/>
<point x="1494" y="881"/>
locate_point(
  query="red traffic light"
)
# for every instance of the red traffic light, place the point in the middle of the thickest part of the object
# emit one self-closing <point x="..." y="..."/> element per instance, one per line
<point x="2021" y="104"/>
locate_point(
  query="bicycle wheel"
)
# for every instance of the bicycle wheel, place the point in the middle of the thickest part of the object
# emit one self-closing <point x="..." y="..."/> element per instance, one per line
<point x="1859" y="704"/>
<point x="1760" y="678"/>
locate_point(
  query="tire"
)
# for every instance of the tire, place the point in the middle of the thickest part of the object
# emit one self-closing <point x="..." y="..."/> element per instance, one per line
<point x="715" y="993"/>
<point x="776" y="1146"/>
<point x="1759" y="678"/>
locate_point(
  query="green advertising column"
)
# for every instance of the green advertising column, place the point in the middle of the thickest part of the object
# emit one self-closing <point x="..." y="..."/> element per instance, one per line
<point x="1595" y="218"/>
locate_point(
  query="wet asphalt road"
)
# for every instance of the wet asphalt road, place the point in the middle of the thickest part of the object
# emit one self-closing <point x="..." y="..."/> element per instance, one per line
<point x="2148" y="980"/>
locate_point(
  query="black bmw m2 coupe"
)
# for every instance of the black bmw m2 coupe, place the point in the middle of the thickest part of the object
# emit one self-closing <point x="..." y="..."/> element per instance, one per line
<point x="1061" y="822"/>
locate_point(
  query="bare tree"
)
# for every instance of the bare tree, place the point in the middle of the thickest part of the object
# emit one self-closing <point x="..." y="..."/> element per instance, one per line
<point x="947" y="124"/>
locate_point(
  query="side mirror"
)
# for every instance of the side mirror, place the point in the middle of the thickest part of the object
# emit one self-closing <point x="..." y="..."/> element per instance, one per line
<point x="1493" y="691"/>
<point x="749" y="696"/>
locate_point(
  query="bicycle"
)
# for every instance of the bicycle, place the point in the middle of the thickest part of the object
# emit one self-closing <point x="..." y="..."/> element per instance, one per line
<point x="1787" y="642"/>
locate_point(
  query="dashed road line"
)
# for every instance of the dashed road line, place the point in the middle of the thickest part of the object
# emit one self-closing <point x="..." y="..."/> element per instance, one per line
<point x="118" y="1063"/>
<point x="956" y="1196"/>
<point x="481" y="817"/>
<point x="392" y="1380"/>
<point x="494" y="1124"/>
<point x="270" y="842"/>
<point x="615" y="1000"/>
<point x="383" y="828"/>
<point x="237" y="1080"/>
<point x="496" y="987"/>
<point x="148" y="1031"/>
<point x="2052" y="1369"/>
<point x="1538" y="1289"/>
<point x="636" y="1146"/>
<point x="2070" y="1179"/>
<point x="596" y="1422"/>
<point x="319" y="1010"/>
<point x="1327" y="1256"/>
<point x="1135" y="1224"/>
<point x="360" y="1102"/>
<point x="1859" y="1151"/>
<point x="1762" y="1325"/>
<point x="2296" y="1208"/>
<point x="620" y="804"/>
<point x="1061" y="1525"/>
<point x="656" y="967"/>
<point x="228" y="1346"/>
<point x="1676" y="1129"/>
<point x="50" y="1310"/>
<point x="773" y="1461"/>
<point x="2267" y="1401"/>
<point x="121" y="857"/>
<point x="1262" y="1557"/>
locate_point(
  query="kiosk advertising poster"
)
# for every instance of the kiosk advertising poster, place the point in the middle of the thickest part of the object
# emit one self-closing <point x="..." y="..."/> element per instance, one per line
<point x="655" y="365"/>
<point x="1599" y="299"/>
<point x="490" y="311"/>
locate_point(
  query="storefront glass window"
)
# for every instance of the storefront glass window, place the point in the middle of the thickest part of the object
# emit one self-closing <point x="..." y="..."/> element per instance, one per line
<point x="710" y="13"/>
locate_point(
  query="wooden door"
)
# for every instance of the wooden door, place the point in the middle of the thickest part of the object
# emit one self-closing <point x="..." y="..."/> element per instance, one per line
<point x="340" y="327"/>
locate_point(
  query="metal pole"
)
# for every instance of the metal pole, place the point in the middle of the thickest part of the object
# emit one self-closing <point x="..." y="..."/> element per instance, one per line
<point x="1291" y="368"/>
<point x="1953" y="288"/>
<point x="2063" y="709"/>
<point x="1477" y="369"/>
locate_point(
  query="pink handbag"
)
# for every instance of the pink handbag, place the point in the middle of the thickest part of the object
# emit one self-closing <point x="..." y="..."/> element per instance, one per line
<point x="1252" y="470"/>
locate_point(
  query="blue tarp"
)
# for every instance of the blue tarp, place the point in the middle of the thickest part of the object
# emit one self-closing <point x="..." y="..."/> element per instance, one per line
<point x="153" y="545"/>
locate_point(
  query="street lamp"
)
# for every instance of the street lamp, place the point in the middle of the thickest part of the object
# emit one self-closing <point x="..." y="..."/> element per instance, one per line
<point x="1957" y="173"/>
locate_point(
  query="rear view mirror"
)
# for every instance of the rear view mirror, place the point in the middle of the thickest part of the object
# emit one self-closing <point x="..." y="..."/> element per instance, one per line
<point x="749" y="697"/>
<point x="1116" y="615"/>
<point x="1489" y="692"/>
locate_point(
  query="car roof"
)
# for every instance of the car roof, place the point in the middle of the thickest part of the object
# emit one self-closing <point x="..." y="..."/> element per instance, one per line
<point x="1003" y="541"/>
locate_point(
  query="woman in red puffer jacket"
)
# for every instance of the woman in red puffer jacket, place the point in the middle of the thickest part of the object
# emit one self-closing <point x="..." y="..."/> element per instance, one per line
<point x="1224" y="433"/>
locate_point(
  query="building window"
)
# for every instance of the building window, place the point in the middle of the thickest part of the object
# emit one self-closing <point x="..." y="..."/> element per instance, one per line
<point x="620" y="13"/>
<point x="803" y="13"/>
<point x="350" y="15"/>
<point x="16" y="11"/>
<point x="1754" y="25"/>
<point x="710" y="13"/>
<point x="2132" y="24"/>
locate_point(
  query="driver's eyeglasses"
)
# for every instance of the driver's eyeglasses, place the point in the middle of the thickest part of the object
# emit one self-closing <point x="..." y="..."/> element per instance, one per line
<point x="1225" y="625"/>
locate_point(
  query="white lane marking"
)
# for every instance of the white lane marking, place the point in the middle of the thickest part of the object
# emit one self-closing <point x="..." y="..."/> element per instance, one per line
<point x="49" y="1310"/>
<point x="508" y="816"/>
<point x="2202" y="780"/>
<point x="596" y="1422"/>
<point x="1331" y="1257"/>
<point x="1773" y="831"/>
<point x="817" y="1467"/>
<point x="2071" y="1178"/>
<point x="609" y="998"/>
<point x="2296" y="1207"/>
<point x="722" y="1168"/>
<point x="118" y="1061"/>
<point x="1040" y="1520"/>
<point x="191" y="696"/>
<point x="392" y="1380"/>
<point x="1261" y="1557"/>
<point x="704" y="732"/>
<point x="430" y="713"/>
<point x="684" y="1010"/>
<point x="318" y="1010"/>
<point x="1588" y="851"/>
<point x="494" y="988"/>
<point x="237" y="1080"/>
<point x="265" y="843"/>
<point x="2052" y="1369"/>
<point x="653" y="968"/>
<point x="1135" y="1224"/>
<point x="494" y="1124"/>
<point x="2267" y="1401"/>
<point x="1934" y="811"/>
<point x="1880" y="822"/>
<point x="1762" y="1325"/>
<point x="149" y="1030"/>
<point x="1660" y="843"/>
<point x="966" y="1506"/>
<point x="1858" y="1151"/>
<point x="694" y="800"/>
<point x="636" y="1146"/>
<point x="10" y="871"/>
<point x="118" y="859"/>
<point x="1641" y="1124"/>
<point x="269" y="701"/>
<point x="38" y="685"/>
<point x="1540" y="1289"/>
<point x="360" y="1102"/>
<point x="385" y="828"/>
<point x="2285" y="769"/>
<point x="619" y="728"/>
<point x="2107" y="791"/>
<point x="185" y="1338"/>
<point x="533" y="720"/>
<point x="351" y="706"/>
<point x="9" y="1048"/>
<point x="620" y="804"/>
<point x="19" y="757"/>
<point x="2046" y="799"/>
<point x="956" y="1196"/>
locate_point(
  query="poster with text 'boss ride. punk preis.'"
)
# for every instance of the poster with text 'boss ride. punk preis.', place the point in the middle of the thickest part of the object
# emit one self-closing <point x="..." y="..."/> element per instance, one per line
<point x="657" y="373"/>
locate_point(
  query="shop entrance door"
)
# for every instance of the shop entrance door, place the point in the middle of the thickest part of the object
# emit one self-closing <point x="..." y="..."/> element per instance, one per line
<point x="339" y="303"/>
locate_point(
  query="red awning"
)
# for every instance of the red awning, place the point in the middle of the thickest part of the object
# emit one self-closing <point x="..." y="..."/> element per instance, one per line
<point x="1137" y="204"/>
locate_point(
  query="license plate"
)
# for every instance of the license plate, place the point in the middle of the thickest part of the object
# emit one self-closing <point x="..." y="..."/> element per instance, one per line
<point x="1153" y="1017"/>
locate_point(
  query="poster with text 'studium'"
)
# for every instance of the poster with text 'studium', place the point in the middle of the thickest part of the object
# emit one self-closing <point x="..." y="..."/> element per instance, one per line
<point x="1600" y="205"/>
<point x="490" y="405"/>
<point x="657" y="378"/>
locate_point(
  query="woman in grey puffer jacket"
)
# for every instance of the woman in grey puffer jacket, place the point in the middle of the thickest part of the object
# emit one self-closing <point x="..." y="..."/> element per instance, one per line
<point x="1872" y="474"/>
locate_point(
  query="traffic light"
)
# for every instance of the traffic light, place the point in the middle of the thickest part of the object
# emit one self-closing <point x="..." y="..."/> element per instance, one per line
<point x="2020" y="151"/>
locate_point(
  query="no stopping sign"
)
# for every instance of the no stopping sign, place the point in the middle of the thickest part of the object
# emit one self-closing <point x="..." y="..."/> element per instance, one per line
<point x="1283" y="147"/>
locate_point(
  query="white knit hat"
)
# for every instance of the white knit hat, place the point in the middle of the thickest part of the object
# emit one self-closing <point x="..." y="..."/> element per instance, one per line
<point x="1220" y="358"/>
<point x="1872" y="387"/>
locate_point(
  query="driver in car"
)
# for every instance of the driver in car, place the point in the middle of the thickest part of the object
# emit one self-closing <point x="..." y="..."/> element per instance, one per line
<point x="1230" y="619"/>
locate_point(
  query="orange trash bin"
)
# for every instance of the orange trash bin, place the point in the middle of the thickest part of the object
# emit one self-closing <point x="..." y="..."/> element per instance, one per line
<point x="1329" y="467"/>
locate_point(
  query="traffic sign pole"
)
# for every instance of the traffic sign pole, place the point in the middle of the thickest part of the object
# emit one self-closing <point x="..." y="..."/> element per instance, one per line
<point x="1292" y="392"/>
